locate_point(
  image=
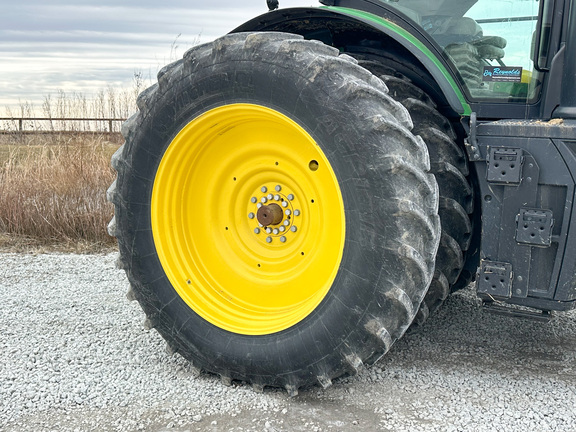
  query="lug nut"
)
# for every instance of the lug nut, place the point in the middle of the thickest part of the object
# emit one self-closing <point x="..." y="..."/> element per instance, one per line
<point x="284" y="204"/>
<point x="282" y="229"/>
<point x="286" y="222"/>
<point x="296" y="212"/>
<point x="268" y="239"/>
<point x="278" y="188"/>
<point x="264" y="189"/>
<point x="268" y="230"/>
<point x="259" y="205"/>
<point x="270" y="196"/>
<point x="253" y="200"/>
<point x="257" y="230"/>
<point x="276" y="197"/>
<point x="275" y="231"/>
<point x="287" y="212"/>
<point x="264" y="200"/>
<point x="283" y="239"/>
<point x="251" y="216"/>
<point x="291" y="197"/>
<point x="294" y="228"/>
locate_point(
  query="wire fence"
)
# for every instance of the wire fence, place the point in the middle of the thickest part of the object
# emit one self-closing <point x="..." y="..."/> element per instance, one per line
<point x="39" y="125"/>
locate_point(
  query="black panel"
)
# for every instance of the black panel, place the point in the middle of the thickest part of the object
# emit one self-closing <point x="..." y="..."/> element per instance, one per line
<point x="543" y="261"/>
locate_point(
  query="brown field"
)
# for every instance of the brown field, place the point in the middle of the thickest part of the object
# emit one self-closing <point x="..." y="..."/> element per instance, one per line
<point x="53" y="192"/>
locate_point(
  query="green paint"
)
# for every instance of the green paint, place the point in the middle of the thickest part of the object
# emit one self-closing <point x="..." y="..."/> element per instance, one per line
<point x="413" y="41"/>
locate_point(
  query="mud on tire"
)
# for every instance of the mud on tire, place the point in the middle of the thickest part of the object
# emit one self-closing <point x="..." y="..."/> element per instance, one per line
<point x="450" y="167"/>
<point x="389" y="201"/>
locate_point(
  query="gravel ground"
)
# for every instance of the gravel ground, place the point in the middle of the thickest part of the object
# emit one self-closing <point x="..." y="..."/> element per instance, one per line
<point x="74" y="356"/>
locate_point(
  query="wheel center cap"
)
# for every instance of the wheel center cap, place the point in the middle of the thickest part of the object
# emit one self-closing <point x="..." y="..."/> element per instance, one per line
<point x="271" y="214"/>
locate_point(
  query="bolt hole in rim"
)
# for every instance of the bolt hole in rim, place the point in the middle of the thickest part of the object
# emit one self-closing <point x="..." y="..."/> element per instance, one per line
<point x="234" y="278"/>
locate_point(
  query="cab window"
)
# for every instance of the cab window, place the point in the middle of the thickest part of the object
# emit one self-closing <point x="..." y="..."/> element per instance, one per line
<point x="490" y="42"/>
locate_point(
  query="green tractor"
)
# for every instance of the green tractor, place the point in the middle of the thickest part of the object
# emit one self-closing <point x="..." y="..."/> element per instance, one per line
<point x="293" y="196"/>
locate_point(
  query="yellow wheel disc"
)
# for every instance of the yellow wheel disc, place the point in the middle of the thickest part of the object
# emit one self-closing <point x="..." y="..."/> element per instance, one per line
<point x="248" y="219"/>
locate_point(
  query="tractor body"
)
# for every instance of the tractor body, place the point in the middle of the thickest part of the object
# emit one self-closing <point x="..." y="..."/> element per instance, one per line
<point x="522" y="148"/>
<point x="293" y="196"/>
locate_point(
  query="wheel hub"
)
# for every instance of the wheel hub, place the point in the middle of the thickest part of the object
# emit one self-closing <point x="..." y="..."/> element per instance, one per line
<point x="275" y="213"/>
<point x="270" y="215"/>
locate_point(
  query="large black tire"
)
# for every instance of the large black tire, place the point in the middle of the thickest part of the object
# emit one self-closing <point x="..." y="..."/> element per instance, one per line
<point x="448" y="164"/>
<point x="390" y="202"/>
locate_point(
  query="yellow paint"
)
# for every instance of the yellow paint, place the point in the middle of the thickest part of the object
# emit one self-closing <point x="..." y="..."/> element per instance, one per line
<point x="205" y="240"/>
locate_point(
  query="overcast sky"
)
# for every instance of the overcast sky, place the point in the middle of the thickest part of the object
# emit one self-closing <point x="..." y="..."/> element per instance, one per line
<point x="87" y="45"/>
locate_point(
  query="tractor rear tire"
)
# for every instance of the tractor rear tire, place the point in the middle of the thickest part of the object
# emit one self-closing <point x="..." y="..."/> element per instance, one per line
<point x="450" y="167"/>
<point x="270" y="121"/>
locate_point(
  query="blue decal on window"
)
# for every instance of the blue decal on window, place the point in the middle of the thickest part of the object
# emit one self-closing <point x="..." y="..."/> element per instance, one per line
<point x="502" y="74"/>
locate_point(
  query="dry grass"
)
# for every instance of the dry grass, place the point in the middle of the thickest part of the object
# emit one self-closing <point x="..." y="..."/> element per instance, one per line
<point x="53" y="192"/>
<point x="53" y="183"/>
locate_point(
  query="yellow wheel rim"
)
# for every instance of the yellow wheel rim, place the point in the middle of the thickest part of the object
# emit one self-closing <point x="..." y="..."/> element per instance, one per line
<point x="228" y="251"/>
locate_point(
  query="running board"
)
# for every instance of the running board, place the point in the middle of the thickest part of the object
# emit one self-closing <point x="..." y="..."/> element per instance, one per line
<point x="498" y="309"/>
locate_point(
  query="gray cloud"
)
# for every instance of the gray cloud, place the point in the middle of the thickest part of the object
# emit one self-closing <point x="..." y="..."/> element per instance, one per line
<point x="86" y="46"/>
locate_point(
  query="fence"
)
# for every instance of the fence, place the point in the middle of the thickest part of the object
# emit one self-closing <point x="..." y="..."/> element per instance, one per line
<point x="31" y="125"/>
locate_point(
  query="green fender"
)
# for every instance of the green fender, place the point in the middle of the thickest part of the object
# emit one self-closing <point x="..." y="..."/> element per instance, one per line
<point x="432" y="62"/>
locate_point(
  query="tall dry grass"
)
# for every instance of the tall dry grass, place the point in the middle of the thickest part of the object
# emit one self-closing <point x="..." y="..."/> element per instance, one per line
<point x="53" y="182"/>
<point x="111" y="103"/>
<point x="53" y="195"/>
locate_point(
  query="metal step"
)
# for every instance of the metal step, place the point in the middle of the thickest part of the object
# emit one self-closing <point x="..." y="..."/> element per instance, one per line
<point x="500" y="309"/>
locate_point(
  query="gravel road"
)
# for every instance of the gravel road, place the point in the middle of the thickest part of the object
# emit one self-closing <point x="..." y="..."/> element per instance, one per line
<point x="74" y="357"/>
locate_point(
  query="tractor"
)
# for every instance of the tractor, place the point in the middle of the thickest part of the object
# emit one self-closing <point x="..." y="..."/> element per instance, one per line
<point x="292" y="197"/>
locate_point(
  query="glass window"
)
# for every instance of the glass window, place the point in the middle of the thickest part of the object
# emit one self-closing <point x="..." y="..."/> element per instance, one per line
<point x="490" y="42"/>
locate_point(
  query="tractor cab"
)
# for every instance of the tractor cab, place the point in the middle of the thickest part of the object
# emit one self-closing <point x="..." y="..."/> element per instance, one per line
<point x="492" y="44"/>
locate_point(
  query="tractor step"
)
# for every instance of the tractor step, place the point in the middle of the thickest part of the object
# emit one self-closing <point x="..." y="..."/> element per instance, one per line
<point x="499" y="309"/>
